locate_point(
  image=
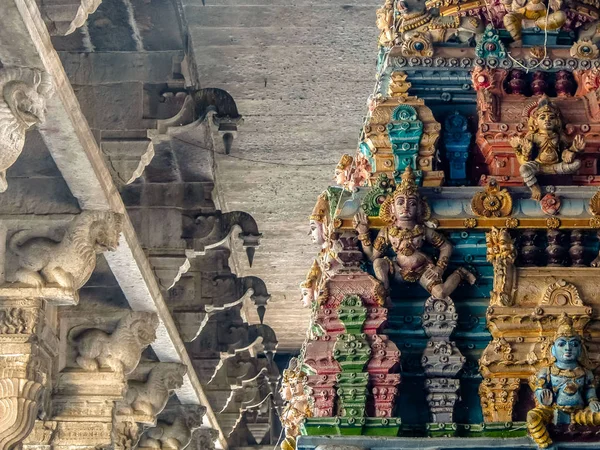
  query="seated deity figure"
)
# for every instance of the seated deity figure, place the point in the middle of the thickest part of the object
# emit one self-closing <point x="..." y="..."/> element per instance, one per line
<point x="530" y="13"/>
<point x="564" y="391"/>
<point x="406" y="233"/>
<point x="544" y="149"/>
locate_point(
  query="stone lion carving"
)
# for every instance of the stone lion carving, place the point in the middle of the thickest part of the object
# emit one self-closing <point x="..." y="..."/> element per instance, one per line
<point x="151" y="397"/>
<point x="121" y="350"/>
<point x="178" y="434"/>
<point x="68" y="263"/>
<point x="22" y="105"/>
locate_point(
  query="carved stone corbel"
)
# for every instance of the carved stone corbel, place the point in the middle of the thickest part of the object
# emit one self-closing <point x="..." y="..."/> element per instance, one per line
<point x="24" y="93"/>
<point x="148" y="391"/>
<point x="69" y="263"/>
<point x="120" y="350"/>
<point x="204" y="439"/>
<point x="64" y="17"/>
<point x="127" y="158"/>
<point x="206" y="231"/>
<point x="216" y="105"/>
<point x="174" y="429"/>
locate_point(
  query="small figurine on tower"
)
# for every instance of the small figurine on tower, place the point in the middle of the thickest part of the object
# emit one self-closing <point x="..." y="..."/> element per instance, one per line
<point x="544" y="149"/>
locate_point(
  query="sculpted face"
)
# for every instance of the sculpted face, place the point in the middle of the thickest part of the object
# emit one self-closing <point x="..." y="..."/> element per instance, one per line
<point x="547" y="121"/>
<point x="381" y="22"/>
<point x="286" y="392"/>
<point x="406" y="207"/>
<point x="316" y="232"/>
<point x="340" y="177"/>
<point x="567" y="349"/>
<point x="308" y="295"/>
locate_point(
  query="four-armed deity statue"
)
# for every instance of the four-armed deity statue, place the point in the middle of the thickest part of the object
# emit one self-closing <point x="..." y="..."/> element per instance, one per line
<point x="565" y="390"/>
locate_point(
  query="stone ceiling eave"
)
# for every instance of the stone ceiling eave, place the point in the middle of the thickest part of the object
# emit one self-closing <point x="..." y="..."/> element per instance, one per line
<point x="26" y="42"/>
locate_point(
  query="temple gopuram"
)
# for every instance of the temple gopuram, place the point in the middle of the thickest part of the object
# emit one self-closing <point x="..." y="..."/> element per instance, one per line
<point x="265" y="224"/>
<point x="454" y="290"/>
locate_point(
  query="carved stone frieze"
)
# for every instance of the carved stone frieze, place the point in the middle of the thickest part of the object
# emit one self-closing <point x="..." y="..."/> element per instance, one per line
<point x="22" y="106"/>
<point x="70" y="262"/>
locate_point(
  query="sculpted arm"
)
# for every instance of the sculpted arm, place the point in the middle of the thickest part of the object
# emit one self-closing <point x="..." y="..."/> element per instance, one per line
<point x="370" y="249"/>
<point x="439" y="241"/>
<point x="590" y="393"/>
<point x="522" y="147"/>
<point x="542" y="391"/>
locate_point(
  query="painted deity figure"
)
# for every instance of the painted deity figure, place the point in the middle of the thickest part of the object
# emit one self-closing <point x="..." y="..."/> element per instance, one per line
<point x="343" y="170"/>
<point x="406" y="213"/>
<point x="385" y="24"/>
<point x="295" y="394"/>
<point x="544" y="149"/>
<point x="530" y="13"/>
<point x="564" y="391"/>
<point x="321" y="233"/>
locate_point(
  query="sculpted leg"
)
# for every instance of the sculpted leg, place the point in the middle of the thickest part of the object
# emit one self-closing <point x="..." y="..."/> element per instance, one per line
<point x="449" y="286"/>
<point x="381" y="267"/>
<point x="528" y="171"/>
<point x="567" y="168"/>
<point x="512" y="22"/>
<point x="586" y="417"/>
<point x="537" y="419"/>
<point x="554" y="21"/>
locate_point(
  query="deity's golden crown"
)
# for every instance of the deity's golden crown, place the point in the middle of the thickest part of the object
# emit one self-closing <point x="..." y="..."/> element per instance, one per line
<point x="544" y="104"/>
<point x="565" y="327"/>
<point x="408" y="184"/>
<point x="345" y="162"/>
<point x="293" y="376"/>
<point x="319" y="213"/>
